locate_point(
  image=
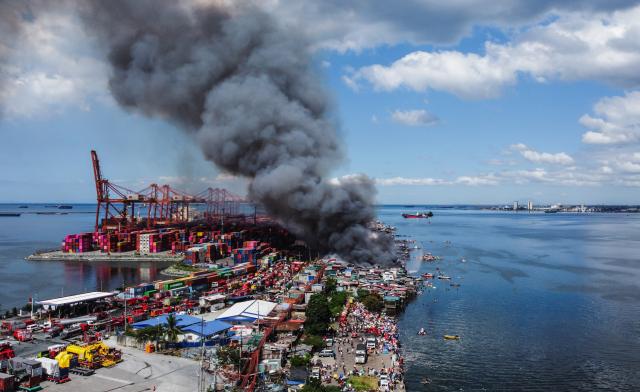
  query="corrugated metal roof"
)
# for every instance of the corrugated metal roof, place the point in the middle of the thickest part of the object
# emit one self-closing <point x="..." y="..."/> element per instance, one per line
<point x="254" y="309"/>
<point x="182" y="321"/>
<point x="72" y="299"/>
<point x="209" y="328"/>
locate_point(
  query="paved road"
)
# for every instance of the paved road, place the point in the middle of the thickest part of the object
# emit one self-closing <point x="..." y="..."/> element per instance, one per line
<point x="138" y="372"/>
<point x="375" y="360"/>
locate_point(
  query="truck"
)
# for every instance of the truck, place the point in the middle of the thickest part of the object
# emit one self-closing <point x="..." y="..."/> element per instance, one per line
<point x="361" y="353"/>
<point x="22" y="335"/>
<point x="371" y="342"/>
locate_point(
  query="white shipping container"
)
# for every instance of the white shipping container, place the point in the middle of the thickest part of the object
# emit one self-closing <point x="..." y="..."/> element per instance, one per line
<point x="50" y="366"/>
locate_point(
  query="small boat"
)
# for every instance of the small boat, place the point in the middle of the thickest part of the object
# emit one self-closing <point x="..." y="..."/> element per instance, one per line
<point x="425" y="381"/>
<point x="444" y="277"/>
<point x="451" y="337"/>
<point x="8" y="214"/>
<point x="427" y="275"/>
<point x="23" y="207"/>
<point x="429" y="257"/>
<point x="418" y="215"/>
<point x="422" y="332"/>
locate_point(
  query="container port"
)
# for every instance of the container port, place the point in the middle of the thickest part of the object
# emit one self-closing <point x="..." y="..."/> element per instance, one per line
<point x="250" y="306"/>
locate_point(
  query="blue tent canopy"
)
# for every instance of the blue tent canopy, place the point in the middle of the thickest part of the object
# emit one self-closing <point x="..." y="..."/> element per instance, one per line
<point x="182" y="321"/>
<point x="208" y="328"/>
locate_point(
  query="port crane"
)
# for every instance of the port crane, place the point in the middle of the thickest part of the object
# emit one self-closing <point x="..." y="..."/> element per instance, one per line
<point x="162" y="204"/>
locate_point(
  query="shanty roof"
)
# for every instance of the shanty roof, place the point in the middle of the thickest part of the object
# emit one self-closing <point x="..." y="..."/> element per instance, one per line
<point x="248" y="311"/>
<point x="182" y="321"/>
<point x="75" y="299"/>
<point x="209" y="328"/>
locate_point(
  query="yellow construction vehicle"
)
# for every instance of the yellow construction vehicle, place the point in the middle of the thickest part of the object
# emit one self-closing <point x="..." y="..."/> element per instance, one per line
<point x="95" y="355"/>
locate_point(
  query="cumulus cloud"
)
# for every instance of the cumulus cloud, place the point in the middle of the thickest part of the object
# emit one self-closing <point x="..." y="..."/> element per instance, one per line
<point x="575" y="46"/>
<point x="414" y="118"/>
<point x="531" y="155"/>
<point x="571" y="176"/>
<point x="616" y="120"/>
<point x="47" y="65"/>
<point x="488" y="179"/>
<point x="356" y="25"/>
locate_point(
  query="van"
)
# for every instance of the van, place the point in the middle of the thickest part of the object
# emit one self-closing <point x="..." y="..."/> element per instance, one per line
<point x="361" y="354"/>
<point x="327" y="353"/>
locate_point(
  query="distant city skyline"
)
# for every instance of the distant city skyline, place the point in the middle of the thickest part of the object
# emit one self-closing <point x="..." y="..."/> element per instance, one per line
<point x="465" y="103"/>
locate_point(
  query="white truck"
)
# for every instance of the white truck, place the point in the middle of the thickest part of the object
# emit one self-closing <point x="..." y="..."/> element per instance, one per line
<point x="361" y="354"/>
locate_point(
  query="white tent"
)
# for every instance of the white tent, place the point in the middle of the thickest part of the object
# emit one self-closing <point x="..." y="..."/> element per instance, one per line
<point x="247" y="311"/>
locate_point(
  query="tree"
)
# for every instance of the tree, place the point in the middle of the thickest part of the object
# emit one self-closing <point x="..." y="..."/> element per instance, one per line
<point x="330" y="286"/>
<point x="338" y="299"/>
<point x="373" y="302"/>
<point x="228" y="355"/>
<point x="362" y="293"/>
<point x="172" y="330"/>
<point x="299" y="360"/>
<point x="317" y="314"/>
<point x="148" y="334"/>
<point x="314" y="385"/>
<point x="314" y="341"/>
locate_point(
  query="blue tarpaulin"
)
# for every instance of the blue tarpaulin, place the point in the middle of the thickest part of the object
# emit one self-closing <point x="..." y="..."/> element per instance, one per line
<point x="207" y="329"/>
<point x="182" y="321"/>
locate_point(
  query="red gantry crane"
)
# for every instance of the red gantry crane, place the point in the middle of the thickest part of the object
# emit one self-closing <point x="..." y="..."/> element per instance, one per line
<point x="162" y="204"/>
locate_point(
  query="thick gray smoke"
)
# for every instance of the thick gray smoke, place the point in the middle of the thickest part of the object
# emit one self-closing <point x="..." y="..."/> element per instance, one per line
<point x="247" y="89"/>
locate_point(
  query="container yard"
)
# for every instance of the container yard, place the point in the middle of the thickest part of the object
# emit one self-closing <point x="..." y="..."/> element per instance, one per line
<point x="243" y="312"/>
<point x="260" y="309"/>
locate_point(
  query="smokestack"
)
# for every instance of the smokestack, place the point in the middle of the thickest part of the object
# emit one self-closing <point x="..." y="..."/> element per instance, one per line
<point x="245" y="88"/>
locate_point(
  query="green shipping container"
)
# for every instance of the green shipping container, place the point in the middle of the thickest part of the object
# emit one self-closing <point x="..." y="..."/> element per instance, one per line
<point x="173" y="285"/>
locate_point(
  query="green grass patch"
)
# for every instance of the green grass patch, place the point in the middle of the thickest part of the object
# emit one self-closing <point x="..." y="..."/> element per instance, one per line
<point x="364" y="383"/>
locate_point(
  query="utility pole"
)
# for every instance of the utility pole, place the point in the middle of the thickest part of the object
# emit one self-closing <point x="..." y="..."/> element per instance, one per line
<point x="125" y="306"/>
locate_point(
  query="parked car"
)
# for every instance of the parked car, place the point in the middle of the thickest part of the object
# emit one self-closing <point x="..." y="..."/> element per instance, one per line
<point x="327" y="353"/>
<point x="384" y="382"/>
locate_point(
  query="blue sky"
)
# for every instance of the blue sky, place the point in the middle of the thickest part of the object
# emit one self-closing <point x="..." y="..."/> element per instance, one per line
<point x="498" y="105"/>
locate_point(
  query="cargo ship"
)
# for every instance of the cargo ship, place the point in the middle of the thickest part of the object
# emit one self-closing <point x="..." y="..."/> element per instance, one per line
<point x="65" y="207"/>
<point x="418" y="215"/>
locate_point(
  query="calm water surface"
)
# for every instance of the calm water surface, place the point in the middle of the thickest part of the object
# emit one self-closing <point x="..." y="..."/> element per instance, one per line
<point x="21" y="236"/>
<point x="547" y="302"/>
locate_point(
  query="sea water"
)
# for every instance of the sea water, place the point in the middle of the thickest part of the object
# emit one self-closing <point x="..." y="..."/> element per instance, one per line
<point x="546" y="302"/>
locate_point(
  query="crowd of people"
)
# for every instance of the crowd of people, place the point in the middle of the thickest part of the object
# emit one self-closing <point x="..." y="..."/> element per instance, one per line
<point x="355" y="327"/>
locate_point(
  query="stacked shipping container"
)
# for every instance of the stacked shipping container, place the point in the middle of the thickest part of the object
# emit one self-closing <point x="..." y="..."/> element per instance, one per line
<point x="78" y="243"/>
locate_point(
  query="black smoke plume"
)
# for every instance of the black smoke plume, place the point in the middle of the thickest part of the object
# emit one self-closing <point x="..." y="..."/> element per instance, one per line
<point x="246" y="88"/>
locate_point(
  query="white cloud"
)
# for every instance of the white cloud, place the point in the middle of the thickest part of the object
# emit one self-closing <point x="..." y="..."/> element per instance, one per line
<point x="531" y="155"/>
<point x="414" y="118"/>
<point x="51" y="67"/>
<point x="566" y="177"/>
<point x="575" y="46"/>
<point x="616" y="120"/>
<point x="409" y="181"/>
<point x="489" y="179"/>
<point x="356" y="25"/>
